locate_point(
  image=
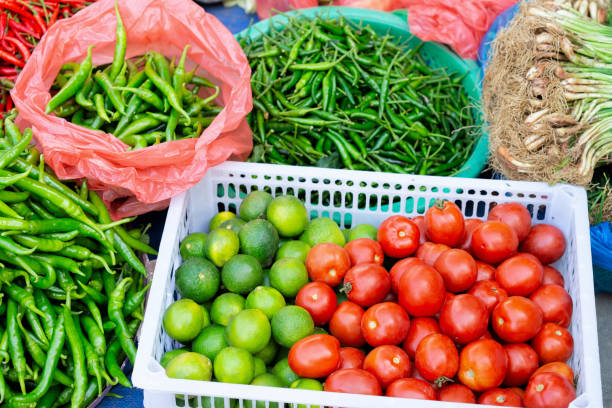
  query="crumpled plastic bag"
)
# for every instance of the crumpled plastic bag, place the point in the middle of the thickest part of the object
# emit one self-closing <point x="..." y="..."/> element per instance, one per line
<point x="265" y="7"/>
<point x="135" y="182"/>
<point x="601" y="253"/>
<point x="383" y="5"/>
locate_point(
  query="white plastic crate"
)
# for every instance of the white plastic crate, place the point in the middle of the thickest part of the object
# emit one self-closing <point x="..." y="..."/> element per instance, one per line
<point x="337" y="194"/>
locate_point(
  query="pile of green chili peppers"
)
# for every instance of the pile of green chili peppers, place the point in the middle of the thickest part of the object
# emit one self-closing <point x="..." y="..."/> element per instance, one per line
<point x="72" y="289"/>
<point x="142" y="102"/>
<point x="332" y="94"/>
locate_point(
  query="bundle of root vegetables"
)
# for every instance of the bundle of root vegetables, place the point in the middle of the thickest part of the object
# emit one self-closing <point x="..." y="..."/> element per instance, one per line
<point x="548" y="97"/>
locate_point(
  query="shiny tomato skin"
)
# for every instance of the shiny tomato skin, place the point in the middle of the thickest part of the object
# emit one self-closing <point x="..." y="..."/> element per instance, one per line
<point x="493" y="242"/>
<point x="485" y="271"/>
<point x="482" y="365"/>
<point x="553" y="343"/>
<point x="444" y="223"/>
<point x="549" y="390"/>
<point x="501" y="397"/>
<point x="458" y="269"/>
<point x="365" y="250"/>
<point x="353" y="381"/>
<point x="327" y="262"/>
<point x="520" y="275"/>
<point x="520" y="392"/>
<point x="420" y="222"/>
<point x="397" y="271"/>
<point x="546" y="242"/>
<point x="388" y="363"/>
<point x="315" y="356"/>
<point x="552" y="277"/>
<point x="516" y="319"/>
<point x="514" y="215"/>
<point x="437" y="358"/>
<point x="345" y="324"/>
<point x="489" y="292"/>
<point x="351" y="357"/>
<point x="464" y="318"/>
<point x="420" y="327"/>
<point x="429" y="252"/>
<point x="385" y="323"/>
<point x="522" y="363"/>
<point x="398" y="236"/>
<point x="470" y="226"/>
<point x="559" y="368"/>
<point x="555" y="303"/>
<point x="319" y="299"/>
<point x="367" y="284"/>
<point x="456" y="393"/>
<point x="421" y="291"/>
<point x="411" y="388"/>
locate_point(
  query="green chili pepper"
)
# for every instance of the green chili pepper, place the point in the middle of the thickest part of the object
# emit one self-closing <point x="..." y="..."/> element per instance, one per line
<point x="15" y="345"/>
<point x="165" y="88"/>
<point x="73" y="85"/>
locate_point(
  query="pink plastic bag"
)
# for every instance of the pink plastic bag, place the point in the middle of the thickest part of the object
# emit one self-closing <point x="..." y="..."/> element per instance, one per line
<point x="135" y="182"/>
<point x="265" y="7"/>
<point x="383" y="5"/>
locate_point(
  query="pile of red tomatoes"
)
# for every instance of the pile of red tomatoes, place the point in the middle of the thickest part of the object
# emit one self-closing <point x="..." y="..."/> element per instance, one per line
<point x="469" y="311"/>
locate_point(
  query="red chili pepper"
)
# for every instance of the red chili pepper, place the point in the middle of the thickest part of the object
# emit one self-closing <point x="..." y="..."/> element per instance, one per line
<point x="3" y="25"/>
<point x="22" y="39"/>
<point x="36" y="16"/>
<point x="66" y="12"/>
<point x="9" y="103"/>
<point x="11" y="58"/>
<point x="20" y="28"/>
<point x="8" y="78"/>
<point x="54" y="16"/>
<point x="32" y="25"/>
<point x="23" y="50"/>
<point x="6" y="70"/>
<point x="8" y="47"/>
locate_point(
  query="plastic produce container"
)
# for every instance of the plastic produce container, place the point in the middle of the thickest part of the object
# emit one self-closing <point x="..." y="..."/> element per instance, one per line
<point x="220" y="190"/>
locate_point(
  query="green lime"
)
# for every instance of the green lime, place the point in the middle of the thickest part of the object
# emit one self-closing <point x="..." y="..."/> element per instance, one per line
<point x="205" y="317"/>
<point x="235" y="224"/>
<point x="322" y="230"/>
<point x="284" y="372"/>
<point x="268" y="353"/>
<point x="288" y="215"/>
<point x="210" y="341"/>
<point x="266" y="299"/>
<point x="260" y="366"/>
<point x="254" y="205"/>
<point x="307" y="384"/>
<point x="234" y="365"/>
<point x="293" y="249"/>
<point x="193" y="246"/>
<point x="290" y="324"/>
<point x="267" y="380"/>
<point x="190" y="366"/>
<point x="225" y="307"/>
<point x="197" y="279"/>
<point x="169" y="355"/>
<point x="221" y="245"/>
<point x="363" y="231"/>
<point x="249" y="330"/>
<point x="288" y="275"/>
<point x="319" y="330"/>
<point x="260" y="239"/>
<point x="219" y="219"/>
<point x="218" y="402"/>
<point x="242" y="273"/>
<point x="183" y="320"/>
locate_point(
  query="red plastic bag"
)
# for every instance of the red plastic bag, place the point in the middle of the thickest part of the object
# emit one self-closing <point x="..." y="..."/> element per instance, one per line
<point x="135" y="182"/>
<point x="383" y="5"/>
<point x="265" y="7"/>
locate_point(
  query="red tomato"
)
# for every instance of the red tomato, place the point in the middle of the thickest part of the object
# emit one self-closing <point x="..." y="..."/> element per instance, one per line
<point x="319" y="299"/>
<point x="430" y="251"/>
<point x="520" y="275"/>
<point x="364" y="250"/>
<point x="489" y="292"/>
<point x="552" y="277"/>
<point x="485" y="271"/>
<point x="385" y="323"/>
<point x="351" y="357"/>
<point x="327" y="263"/>
<point x="458" y="269"/>
<point x="315" y="356"/>
<point x="514" y="215"/>
<point x="546" y="242"/>
<point x="549" y="390"/>
<point x="522" y="362"/>
<point x="464" y="318"/>
<point x="345" y="324"/>
<point x="482" y="365"/>
<point x="519" y="391"/>
<point x="367" y="284"/>
<point x="398" y="236"/>
<point x="397" y="271"/>
<point x="559" y="368"/>
<point x="420" y="222"/>
<point x="470" y="226"/>
<point x="444" y="223"/>
<point x="421" y="291"/>
<point x="352" y="381"/>
<point x="388" y="363"/>
<point x="437" y="358"/>
<point x="420" y="327"/>
<point x="553" y="343"/>
<point x="516" y="319"/>
<point x="493" y="242"/>
<point x="501" y="398"/>
<point x="411" y="388"/>
<point x="456" y="393"/>
<point x="555" y="303"/>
